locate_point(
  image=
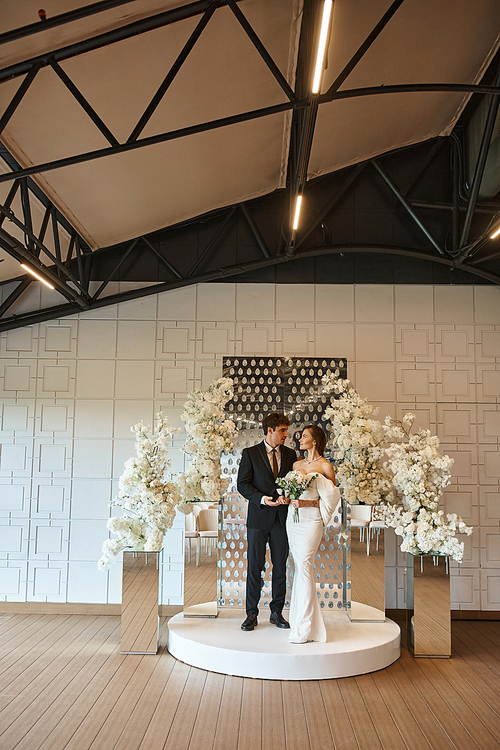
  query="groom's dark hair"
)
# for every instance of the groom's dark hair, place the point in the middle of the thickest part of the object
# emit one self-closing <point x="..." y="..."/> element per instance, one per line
<point x="273" y="420"/>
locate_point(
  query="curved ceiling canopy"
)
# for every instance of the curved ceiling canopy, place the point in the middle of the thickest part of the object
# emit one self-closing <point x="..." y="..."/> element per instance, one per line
<point x="135" y="116"/>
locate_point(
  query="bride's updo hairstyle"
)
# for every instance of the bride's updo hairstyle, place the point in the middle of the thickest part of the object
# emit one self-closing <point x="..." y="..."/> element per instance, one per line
<point x="319" y="436"/>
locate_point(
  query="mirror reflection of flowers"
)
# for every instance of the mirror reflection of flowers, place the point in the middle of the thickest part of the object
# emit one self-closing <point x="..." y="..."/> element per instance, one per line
<point x="419" y="475"/>
<point x="293" y="485"/>
<point x="210" y="434"/>
<point x="358" y="444"/>
<point x="146" y="495"/>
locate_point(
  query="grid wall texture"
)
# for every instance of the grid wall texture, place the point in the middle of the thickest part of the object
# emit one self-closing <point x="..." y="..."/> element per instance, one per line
<point x="71" y="388"/>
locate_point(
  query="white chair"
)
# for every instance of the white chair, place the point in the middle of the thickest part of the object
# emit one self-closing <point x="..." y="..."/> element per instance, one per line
<point x="191" y="533"/>
<point x="207" y="524"/>
<point x="374" y="530"/>
<point x="360" y="519"/>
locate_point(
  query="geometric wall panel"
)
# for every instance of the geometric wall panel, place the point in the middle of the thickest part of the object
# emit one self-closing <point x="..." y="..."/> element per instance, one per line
<point x="12" y="498"/>
<point x="47" y="582"/>
<point x="19" y="339"/>
<point x="491" y="383"/>
<point x="174" y="379"/>
<point x="52" y="458"/>
<point x="15" y="417"/>
<point x="491" y="427"/>
<point x="17" y="378"/>
<point x="255" y="341"/>
<point x="295" y="342"/>
<point x="134" y="379"/>
<point x="490" y="548"/>
<point x="456" y="424"/>
<point x="455" y="383"/>
<point x="10" y="581"/>
<point x="461" y="503"/>
<point x="12" y="538"/>
<point x="454" y="344"/>
<point x="136" y="339"/>
<point x="492" y="464"/>
<point x="491" y="343"/>
<point x="175" y="340"/>
<point x="56" y="378"/>
<point x="49" y="540"/>
<point x="415" y="383"/>
<point x="415" y="343"/>
<point x="13" y="457"/>
<point x="490" y="594"/>
<point x="490" y="506"/>
<point x="58" y="338"/>
<point x="50" y="499"/>
<point x="215" y="341"/>
<point x="54" y="418"/>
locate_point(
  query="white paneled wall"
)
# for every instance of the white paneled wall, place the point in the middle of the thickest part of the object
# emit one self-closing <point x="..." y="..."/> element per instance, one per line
<point x="71" y="389"/>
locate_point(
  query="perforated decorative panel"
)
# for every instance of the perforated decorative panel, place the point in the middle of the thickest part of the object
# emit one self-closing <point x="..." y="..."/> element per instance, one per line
<point x="262" y="385"/>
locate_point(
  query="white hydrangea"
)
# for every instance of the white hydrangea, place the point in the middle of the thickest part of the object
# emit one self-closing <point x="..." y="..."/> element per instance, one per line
<point x="147" y="496"/>
<point x="210" y="434"/>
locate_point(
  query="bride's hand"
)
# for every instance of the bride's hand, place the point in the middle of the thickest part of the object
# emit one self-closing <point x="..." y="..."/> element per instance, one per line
<point x="295" y="503"/>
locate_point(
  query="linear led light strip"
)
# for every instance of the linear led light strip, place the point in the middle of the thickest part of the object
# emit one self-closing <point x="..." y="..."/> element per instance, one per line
<point x="33" y="273"/>
<point x="320" y="60"/>
<point x="495" y="234"/>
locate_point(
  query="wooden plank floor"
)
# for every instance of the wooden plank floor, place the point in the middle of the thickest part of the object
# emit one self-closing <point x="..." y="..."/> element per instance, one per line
<point x="65" y="684"/>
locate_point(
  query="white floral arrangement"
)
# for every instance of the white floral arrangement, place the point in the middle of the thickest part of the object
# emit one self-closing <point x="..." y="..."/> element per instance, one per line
<point x="359" y="444"/>
<point x="419" y="475"/>
<point x="148" y="499"/>
<point x="210" y="434"/>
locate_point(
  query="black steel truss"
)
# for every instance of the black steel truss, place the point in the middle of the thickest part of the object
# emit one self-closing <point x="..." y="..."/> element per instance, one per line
<point x="443" y="239"/>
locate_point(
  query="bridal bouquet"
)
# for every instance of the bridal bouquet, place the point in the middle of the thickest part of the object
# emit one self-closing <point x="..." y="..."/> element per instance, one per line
<point x="293" y="485"/>
<point x="147" y="497"/>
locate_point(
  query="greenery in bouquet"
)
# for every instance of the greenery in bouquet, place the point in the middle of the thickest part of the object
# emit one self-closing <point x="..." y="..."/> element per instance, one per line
<point x="293" y="485"/>
<point x="210" y="434"/>
<point x="148" y="498"/>
<point x="419" y="475"/>
<point x="358" y="444"/>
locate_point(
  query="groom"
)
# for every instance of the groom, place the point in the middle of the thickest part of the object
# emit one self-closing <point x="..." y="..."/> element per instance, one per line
<point x="266" y="518"/>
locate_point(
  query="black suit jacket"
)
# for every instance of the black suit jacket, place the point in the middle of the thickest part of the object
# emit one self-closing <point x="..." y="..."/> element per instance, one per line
<point x="255" y="479"/>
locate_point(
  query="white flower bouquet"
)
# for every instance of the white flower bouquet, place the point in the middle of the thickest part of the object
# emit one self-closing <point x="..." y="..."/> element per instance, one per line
<point x="209" y="434"/>
<point x="419" y="475"/>
<point x="293" y="485"/>
<point x="148" y="498"/>
<point x="359" y="444"/>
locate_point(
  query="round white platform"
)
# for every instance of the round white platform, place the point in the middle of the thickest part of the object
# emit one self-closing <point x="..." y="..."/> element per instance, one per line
<point x="219" y="645"/>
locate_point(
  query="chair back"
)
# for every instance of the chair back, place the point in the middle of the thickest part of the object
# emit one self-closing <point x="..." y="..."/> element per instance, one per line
<point x="361" y="512"/>
<point x="190" y="522"/>
<point x="207" y="520"/>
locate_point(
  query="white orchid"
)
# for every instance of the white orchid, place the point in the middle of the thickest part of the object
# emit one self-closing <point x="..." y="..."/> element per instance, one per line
<point x="147" y="496"/>
<point x="209" y="434"/>
<point x="419" y="475"/>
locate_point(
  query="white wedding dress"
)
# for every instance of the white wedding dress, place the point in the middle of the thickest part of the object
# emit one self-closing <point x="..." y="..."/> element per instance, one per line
<point x="304" y="536"/>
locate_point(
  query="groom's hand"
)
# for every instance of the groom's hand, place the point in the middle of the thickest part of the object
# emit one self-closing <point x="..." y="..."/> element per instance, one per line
<point x="269" y="501"/>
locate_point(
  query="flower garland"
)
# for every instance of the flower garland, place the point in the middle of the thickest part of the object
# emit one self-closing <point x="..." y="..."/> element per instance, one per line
<point x="147" y="498"/>
<point x="209" y="434"/>
<point x="359" y="441"/>
<point x="419" y="475"/>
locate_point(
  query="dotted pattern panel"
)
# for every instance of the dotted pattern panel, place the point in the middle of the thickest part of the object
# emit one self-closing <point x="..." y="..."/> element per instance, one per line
<point x="264" y="385"/>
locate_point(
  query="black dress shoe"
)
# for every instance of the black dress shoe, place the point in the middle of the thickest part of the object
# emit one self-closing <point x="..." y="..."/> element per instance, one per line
<point x="250" y="623"/>
<point x="278" y="620"/>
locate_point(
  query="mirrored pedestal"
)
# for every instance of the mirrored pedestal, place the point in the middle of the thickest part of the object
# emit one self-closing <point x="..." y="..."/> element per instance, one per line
<point x="428" y="614"/>
<point x="139" y="619"/>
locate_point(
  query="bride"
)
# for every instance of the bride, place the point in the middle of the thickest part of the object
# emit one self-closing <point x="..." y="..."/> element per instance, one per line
<point x="316" y="505"/>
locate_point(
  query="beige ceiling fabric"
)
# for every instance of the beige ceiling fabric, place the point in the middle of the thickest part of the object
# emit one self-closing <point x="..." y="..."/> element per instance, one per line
<point x="125" y="195"/>
<point x="112" y="199"/>
<point x="425" y="42"/>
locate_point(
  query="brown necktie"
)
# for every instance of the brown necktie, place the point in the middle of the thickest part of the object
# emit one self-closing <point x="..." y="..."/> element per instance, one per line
<point x="275" y="463"/>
